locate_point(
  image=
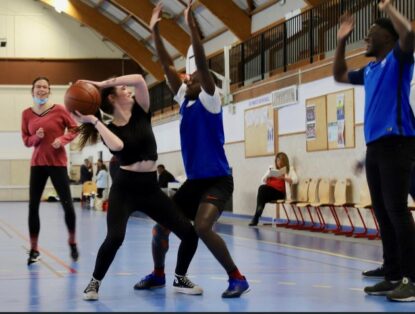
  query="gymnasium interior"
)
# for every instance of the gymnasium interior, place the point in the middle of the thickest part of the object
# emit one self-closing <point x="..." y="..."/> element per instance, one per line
<point x="273" y="62"/>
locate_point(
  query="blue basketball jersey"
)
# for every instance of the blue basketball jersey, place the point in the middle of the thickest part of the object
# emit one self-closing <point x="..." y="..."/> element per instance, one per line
<point x="202" y="139"/>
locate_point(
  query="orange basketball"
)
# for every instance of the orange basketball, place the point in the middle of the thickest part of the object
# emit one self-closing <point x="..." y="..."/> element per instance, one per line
<point x="83" y="97"/>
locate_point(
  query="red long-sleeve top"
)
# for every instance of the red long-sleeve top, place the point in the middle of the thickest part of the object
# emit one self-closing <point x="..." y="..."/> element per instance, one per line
<point x="54" y="121"/>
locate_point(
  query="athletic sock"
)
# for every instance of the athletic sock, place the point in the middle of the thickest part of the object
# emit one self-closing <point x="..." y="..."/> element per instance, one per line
<point x="235" y="274"/>
<point x="159" y="272"/>
<point x="33" y="243"/>
<point x="71" y="239"/>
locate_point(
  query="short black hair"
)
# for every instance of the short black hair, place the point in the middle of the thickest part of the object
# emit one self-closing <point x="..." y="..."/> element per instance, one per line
<point x="161" y="166"/>
<point x="387" y="24"/>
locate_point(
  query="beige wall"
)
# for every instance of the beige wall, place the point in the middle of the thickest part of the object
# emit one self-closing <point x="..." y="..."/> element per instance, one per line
<point x="248" y="172"/>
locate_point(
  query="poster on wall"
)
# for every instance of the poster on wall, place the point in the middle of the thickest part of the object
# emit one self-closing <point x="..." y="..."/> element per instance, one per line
<point x="340" y="120"/>
<point x="332" y="131"/>
<point x="311" y="123"/>
<point x="270" y="139"/>
<point x="311" y="131"/>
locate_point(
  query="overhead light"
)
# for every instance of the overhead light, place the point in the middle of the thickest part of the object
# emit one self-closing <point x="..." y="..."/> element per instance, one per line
<point x="60" y="5"/>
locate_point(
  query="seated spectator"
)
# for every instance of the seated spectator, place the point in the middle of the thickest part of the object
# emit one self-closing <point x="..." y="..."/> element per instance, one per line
<point x="164" y="176"/>
<point x="274" y="188"/>
<point x="86" y="171"/>
<point x="102" y="178"/>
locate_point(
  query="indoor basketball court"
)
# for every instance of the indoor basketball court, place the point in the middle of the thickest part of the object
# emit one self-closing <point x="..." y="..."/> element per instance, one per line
<point x="207" y="156"/>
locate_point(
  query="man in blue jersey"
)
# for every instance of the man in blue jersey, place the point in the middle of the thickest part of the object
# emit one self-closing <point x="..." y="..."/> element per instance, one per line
<point x="209" y="184"/>
<point x="390" y="138"/>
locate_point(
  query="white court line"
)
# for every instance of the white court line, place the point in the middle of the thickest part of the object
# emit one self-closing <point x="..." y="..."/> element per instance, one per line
<point x="287" y="283"/>
<point x="322" y="286"/>
<point x="356" y="289"/>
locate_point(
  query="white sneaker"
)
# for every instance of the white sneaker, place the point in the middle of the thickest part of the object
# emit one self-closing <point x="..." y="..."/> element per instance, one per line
<point x="91" y="291"/>
<point x="182" y="284"/>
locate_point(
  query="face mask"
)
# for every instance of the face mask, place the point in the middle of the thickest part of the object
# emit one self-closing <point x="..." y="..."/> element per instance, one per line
<point x="40" y="101"/>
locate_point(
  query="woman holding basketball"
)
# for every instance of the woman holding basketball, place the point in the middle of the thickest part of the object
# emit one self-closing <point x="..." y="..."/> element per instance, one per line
<point x="130" y="138"/>
<point x="43" y="127"/>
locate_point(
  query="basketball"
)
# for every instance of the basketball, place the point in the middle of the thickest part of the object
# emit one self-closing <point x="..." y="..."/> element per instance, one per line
<point x="83" y="97"/>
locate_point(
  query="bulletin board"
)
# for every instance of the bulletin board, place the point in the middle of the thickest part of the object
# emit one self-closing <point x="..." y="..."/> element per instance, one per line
<point x="316" y="124"/>
<point x="261" y="131"/>
<point x="341" y="120"/>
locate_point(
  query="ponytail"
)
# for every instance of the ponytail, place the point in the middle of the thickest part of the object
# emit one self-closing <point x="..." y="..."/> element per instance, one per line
<point x="88" y="134"/>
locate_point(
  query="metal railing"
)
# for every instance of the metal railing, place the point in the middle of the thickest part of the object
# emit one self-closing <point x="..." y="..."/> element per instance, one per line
<point x="309" y="36"/>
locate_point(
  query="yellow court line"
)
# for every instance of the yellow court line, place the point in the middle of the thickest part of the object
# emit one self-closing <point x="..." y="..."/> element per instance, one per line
<point x="287" y="283"/>
<point x="46" y="252"/>
<point x="298" y="248"/>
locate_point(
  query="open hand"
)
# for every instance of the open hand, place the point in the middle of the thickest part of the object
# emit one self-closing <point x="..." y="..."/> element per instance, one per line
<point x="346" y="26"/>
<point x="40" y="133"/>
<point x="156" y="16"/>
<point x="79" y="117"/>
<point x="56" y="144"/>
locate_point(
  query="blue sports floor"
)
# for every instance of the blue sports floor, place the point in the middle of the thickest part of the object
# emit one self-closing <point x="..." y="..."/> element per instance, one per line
<point x="286" y="271"/>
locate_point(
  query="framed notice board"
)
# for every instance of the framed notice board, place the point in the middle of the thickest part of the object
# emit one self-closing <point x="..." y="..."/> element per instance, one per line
<point x="261" y="137"/>
<point x="316" y="124"/>
<point x="340" y="119"/>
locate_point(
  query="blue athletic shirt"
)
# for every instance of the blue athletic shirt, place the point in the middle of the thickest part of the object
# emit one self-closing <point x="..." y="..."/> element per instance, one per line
<point x="202" y="135"/>
<point x="387" y="87"/>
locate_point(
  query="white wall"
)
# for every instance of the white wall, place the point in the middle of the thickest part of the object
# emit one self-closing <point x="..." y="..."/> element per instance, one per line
<point x="34" y="32"/>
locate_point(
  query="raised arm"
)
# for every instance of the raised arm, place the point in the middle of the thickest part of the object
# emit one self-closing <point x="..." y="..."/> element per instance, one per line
<point x="340" y="70"/>
<point x="135" y="80"/>
<point x="206" y="79"/>
<point x="402" y="26"/>
<point x="166" y="61"/>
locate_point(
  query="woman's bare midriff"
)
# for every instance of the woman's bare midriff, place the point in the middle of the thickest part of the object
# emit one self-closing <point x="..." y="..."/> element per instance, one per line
<point x="141" y="166"/>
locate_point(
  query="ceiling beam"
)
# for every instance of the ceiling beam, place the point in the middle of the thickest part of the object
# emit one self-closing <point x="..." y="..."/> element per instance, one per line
<point x="314" y="2"/>
<point x="172" y="32"/>
<point x="115" y="33"/>
<point x="231" y="15"/>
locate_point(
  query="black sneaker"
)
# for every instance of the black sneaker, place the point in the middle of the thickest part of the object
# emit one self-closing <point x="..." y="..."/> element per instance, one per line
<point x="375" y="273"/>
<point x="405" y="292"/>
<point x="74" y="252"/>
<point x="91" y="291"/>
<point x="183" y="284"/>
<point x="34" y="256"/>
<point x="382" y="288"/>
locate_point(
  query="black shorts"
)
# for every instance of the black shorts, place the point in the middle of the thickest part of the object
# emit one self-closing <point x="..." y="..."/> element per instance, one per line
<point x="192" y="193"/>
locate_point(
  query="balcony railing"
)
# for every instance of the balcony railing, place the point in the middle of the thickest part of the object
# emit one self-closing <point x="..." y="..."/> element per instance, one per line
<point x="304" y="38"/>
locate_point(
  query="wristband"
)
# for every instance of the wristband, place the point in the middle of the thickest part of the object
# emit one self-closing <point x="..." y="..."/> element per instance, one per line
<point x="95" y="123"/>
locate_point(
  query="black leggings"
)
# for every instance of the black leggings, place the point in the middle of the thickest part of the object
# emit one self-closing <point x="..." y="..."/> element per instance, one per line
<point x="133" y="191"/>
<point x="60" y="180"/>
<point x="389" y="163"/>
<point x="267" y="194"/>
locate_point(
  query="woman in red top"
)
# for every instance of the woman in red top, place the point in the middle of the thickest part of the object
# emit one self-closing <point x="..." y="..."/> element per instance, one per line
<point x="43" y="127"/>
<point x="273" y="187"/>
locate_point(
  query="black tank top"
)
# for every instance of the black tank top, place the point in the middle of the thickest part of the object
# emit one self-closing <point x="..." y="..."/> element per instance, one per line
<point x="137" y="136"/>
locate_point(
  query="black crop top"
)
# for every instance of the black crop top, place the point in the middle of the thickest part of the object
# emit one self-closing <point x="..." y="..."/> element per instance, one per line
<point x="137" y="136"/>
